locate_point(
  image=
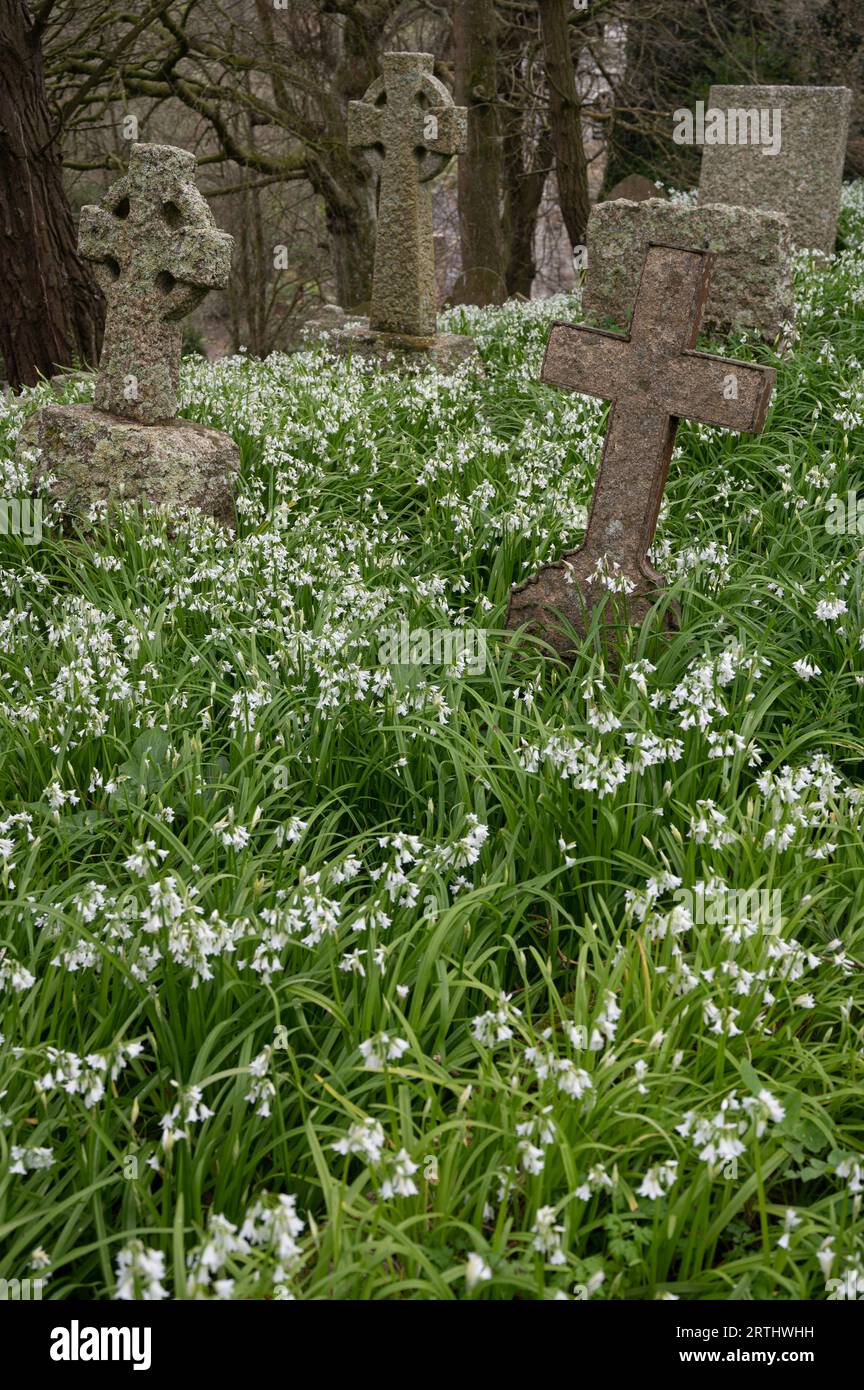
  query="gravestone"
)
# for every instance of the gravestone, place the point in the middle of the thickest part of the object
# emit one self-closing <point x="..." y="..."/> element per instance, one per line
<point x="653" y="377"/>
<point x="409" y="129"/>
<point x="635" y="187"/>
<point x="157" y="252"/>
<point x="751" y="282"/>
<point x="802" y="178"/>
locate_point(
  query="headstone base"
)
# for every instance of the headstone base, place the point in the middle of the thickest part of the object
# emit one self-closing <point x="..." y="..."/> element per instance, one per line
<point x="569" y="591"/>
<point x="443" y="352"/>
<point x="97" y="457"/>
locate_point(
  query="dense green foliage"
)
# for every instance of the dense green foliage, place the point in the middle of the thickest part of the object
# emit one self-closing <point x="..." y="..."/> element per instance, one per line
<point x="420" y="946"/>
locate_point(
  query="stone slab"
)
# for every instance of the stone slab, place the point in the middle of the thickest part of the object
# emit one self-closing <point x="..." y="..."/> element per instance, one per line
<point x="96" y="457"/>
<point x="751" y="283"/>
<point x="443" y="352"/>
<point x="803" y="179"/>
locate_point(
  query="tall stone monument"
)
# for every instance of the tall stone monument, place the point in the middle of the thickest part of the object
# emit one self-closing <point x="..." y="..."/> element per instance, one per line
<point x="799" y="173"/>
<point x="157" y="252"/>
<point x="409" y="128"/>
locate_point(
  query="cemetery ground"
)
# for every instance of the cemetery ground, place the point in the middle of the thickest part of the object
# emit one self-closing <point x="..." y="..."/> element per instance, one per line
<point x="328" y="975"/>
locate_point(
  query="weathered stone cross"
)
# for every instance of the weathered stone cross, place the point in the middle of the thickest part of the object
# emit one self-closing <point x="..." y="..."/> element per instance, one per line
<point x="157" y="251"/>
<point x="407" y="118"/>
<point x="652" y="378"/>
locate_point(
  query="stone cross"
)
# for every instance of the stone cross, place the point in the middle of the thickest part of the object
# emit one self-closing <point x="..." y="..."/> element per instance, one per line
<point x="157" y="251"/>
<point x="653" y="378"/>
<point x="407" y="120"/>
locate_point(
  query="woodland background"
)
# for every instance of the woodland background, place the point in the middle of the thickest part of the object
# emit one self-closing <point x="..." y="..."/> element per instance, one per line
<point x="563" y="102"/>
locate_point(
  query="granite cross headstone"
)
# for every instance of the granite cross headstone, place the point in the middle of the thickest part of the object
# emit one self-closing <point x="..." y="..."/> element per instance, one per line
<point x="157" y="252"/>
<point x="653" y="378"/>
<point x="406" y="119"/>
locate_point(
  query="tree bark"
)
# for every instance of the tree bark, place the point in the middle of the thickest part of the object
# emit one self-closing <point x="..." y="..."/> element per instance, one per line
<point x="565" y="119"/>
<point x="53" y="311"/>
<point x="352" y="250"/>
<point x="523" y="190"/>
<point x="348" y="186"/>
<point x="526" y="149"/>
<point x="482" y="282"/>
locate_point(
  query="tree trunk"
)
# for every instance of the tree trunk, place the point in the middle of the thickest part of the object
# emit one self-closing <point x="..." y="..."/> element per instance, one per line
<point x="350" y="222"/>
<point x="526" y="150"/>
<point x="565" y="119"/>
<point x="482" y="281"/>
<point x="53" y="311"/>
<point x="343" y="177"/>
<point x="523" y="190"/>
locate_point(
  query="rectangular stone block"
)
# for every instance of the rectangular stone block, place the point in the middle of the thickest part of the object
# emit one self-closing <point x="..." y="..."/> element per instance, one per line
<point x="803" y="178"/>
<point x="751" y="285"/>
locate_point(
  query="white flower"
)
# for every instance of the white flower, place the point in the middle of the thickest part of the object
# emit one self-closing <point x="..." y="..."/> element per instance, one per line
<point x="401" y="1182"/>
<point x="721" y="1021"/>
<point x="140" y="1272"/>
<point x="289" y="834"/>
<point x="14" y="974"/>
<point x="806" y="669"/>
<point x="774" y="1109"/>
<point x="26" y="1157"/>
<point x="476" y="1271"/>
<point x="381" y="1049"/>
<point x="232" y="836"/>
<point x="494" y="1026"/>
<point x="853" y="1171"/>
<point x="530" y="1156"/>
<point x="791" y="1219"/>
<point x="658" y="1180"/>
<point x="825" y="1255"/>
<point x="365" y="1138"/>
<point x="828" y="609"/>
<point x="547" y="1236"/>
<point x="144" y="857"/>
<point x="262" y="1089"/>
<point x="189" y="1109"/>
